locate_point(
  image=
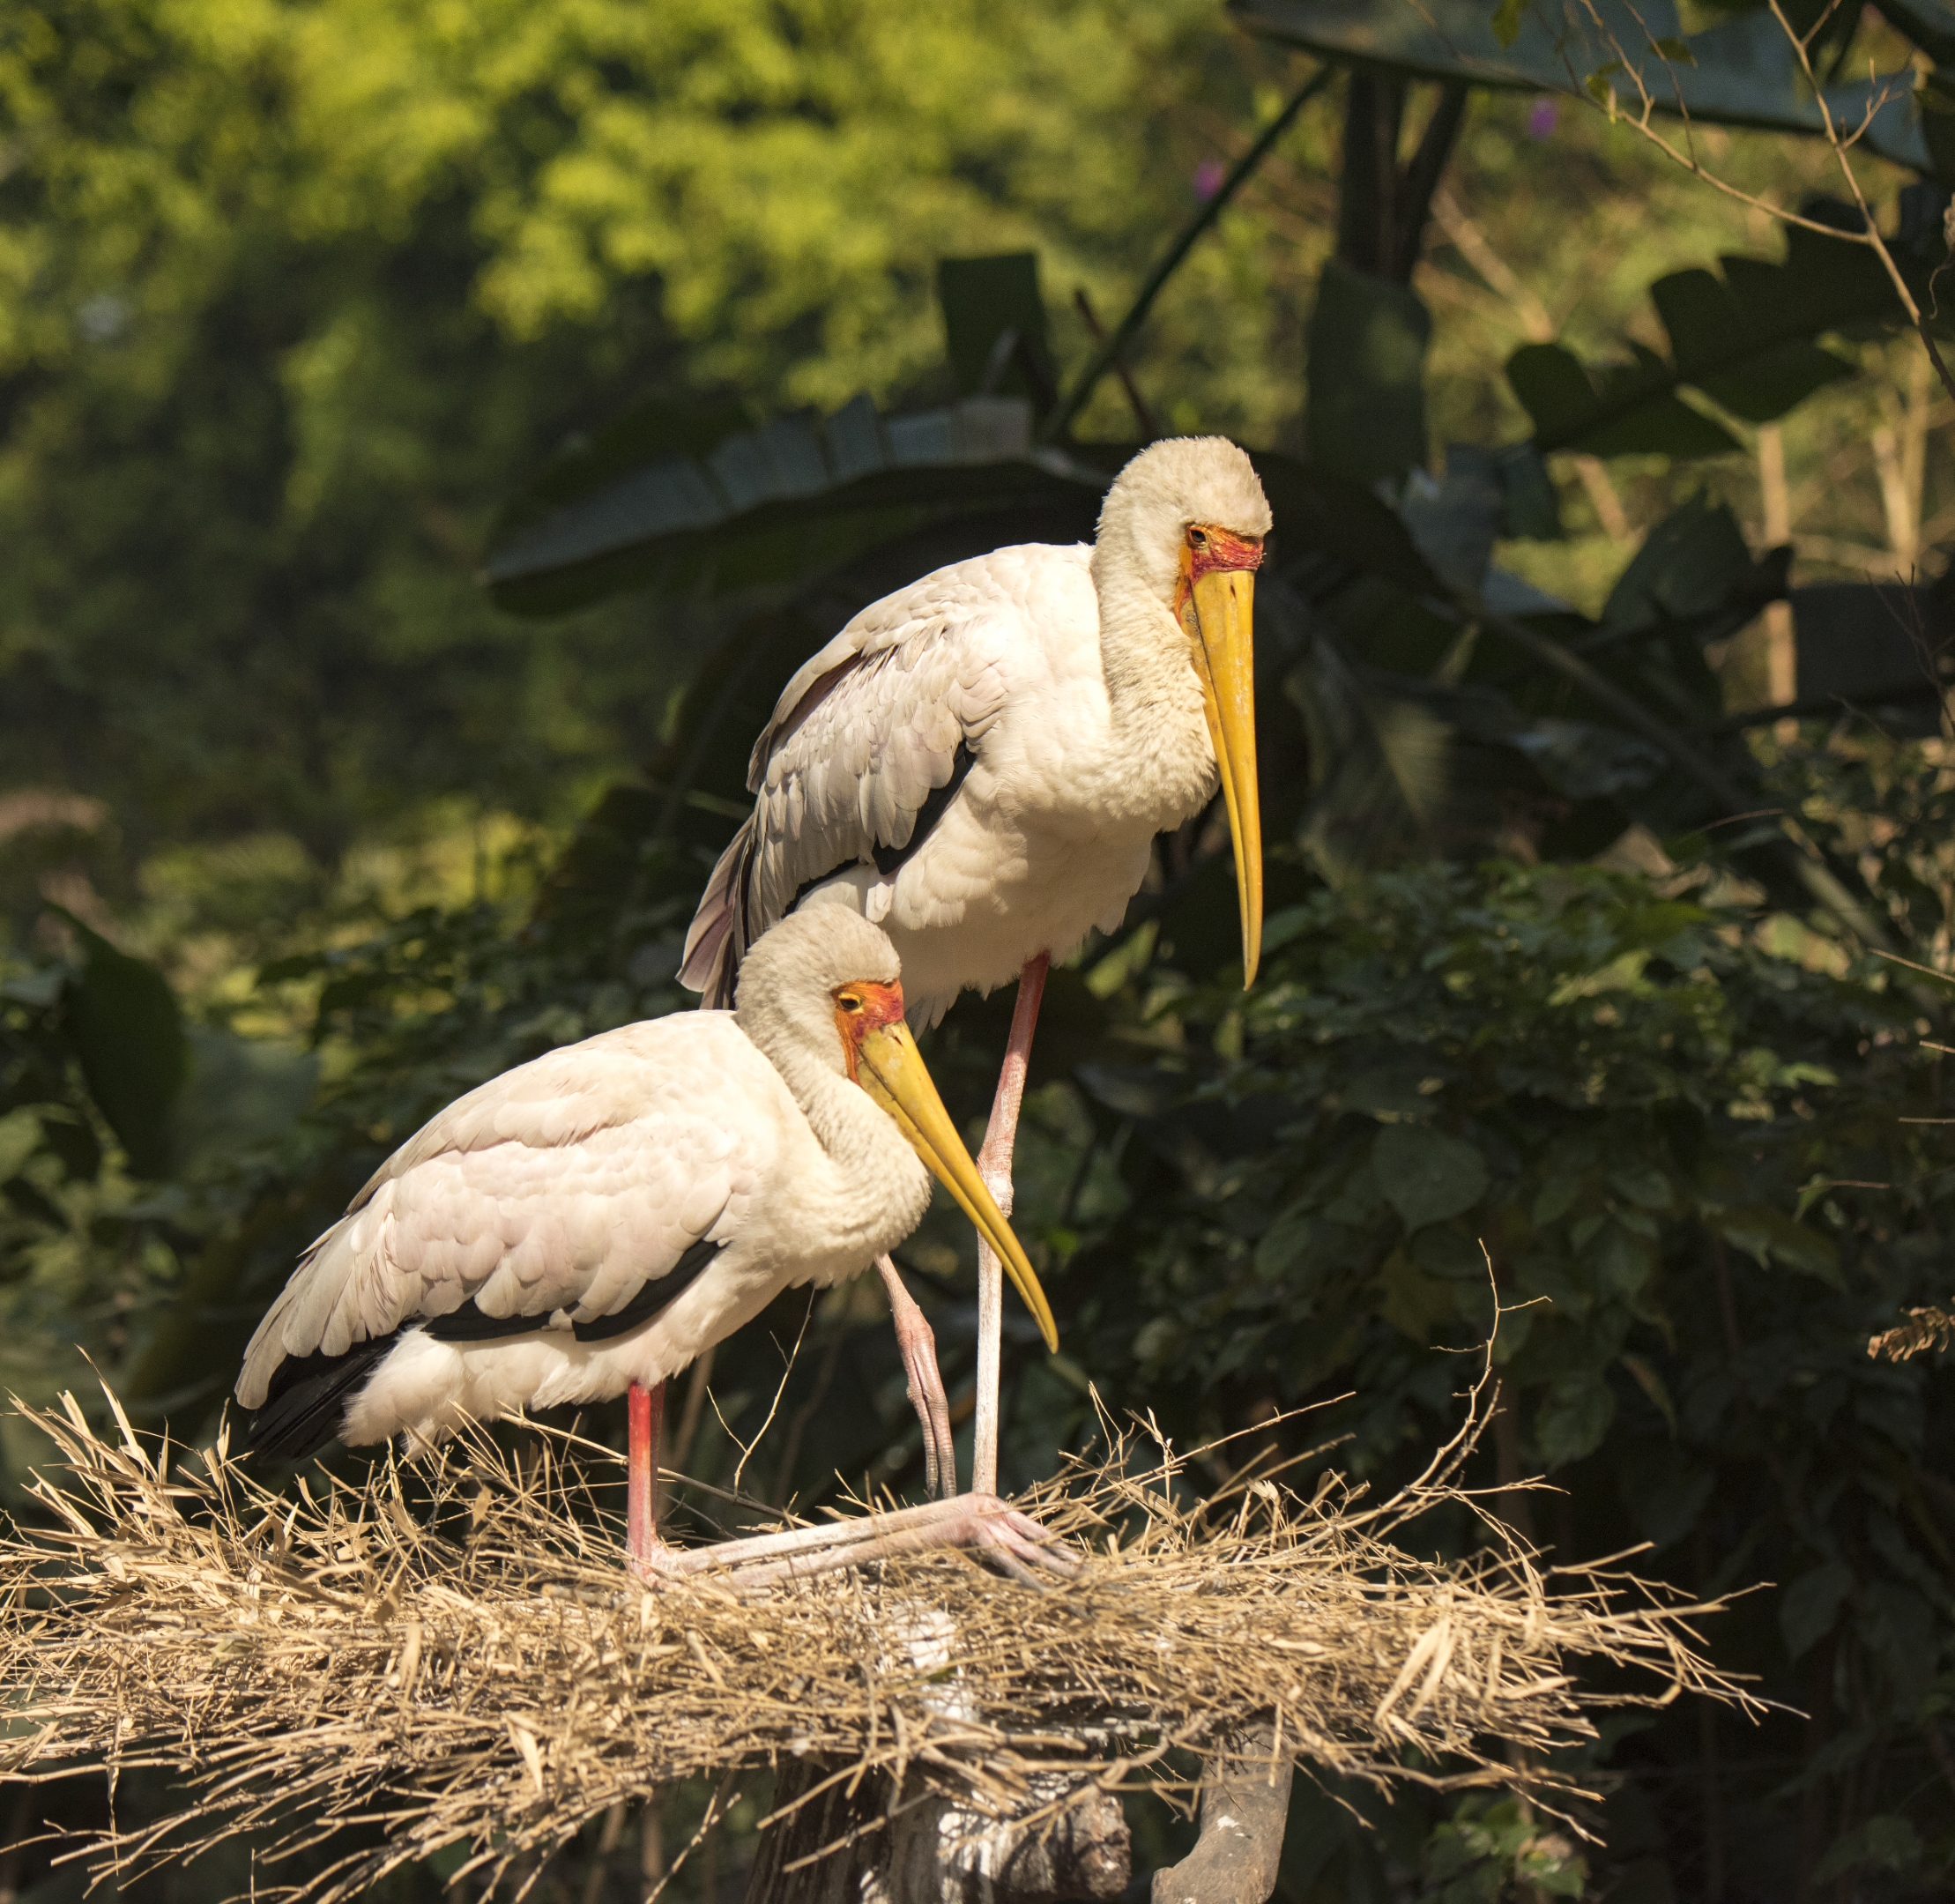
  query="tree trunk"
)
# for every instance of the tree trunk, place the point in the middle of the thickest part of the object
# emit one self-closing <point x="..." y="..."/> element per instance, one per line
<point x="936" y="1852"/>
<point x="1382" y="209"/>
<point x="1235" y="1859"/>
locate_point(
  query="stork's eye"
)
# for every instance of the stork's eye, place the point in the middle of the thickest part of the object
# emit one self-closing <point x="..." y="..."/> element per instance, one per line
<point x="1198" y="539"/>
<point x="848" y="1002"/>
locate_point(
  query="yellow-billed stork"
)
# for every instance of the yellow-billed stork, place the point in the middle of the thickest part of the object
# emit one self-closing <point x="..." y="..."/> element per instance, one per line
<point x="979" y="763"/>
<point x="590" y="1222"/>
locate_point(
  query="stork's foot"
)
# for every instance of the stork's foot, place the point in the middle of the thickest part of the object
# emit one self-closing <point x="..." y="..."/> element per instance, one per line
<point x="981" y="1523"/>
<point x="657" y="1561"/>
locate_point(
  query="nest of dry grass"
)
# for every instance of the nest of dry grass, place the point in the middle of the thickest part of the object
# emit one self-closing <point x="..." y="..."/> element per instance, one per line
<point x="452" y="1653"/>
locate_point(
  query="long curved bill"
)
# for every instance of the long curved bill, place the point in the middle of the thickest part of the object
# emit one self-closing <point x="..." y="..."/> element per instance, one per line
<point x="890" y="1068"/>
<point x="1222" y="601"/>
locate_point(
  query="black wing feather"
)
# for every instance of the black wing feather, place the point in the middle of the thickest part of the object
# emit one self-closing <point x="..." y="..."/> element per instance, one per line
<point x="306" y="1407"/>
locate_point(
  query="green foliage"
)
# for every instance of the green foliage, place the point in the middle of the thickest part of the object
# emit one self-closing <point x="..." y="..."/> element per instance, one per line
<point x="1599" y="1086"/>
<point x="1367" y="377"/>
<point x="1746" y="341"/>
<point x="681" y="498"/>
<point x="1489" y="1845"/>
<point x="293" y="297"/>
<point x="123" y="1022"/>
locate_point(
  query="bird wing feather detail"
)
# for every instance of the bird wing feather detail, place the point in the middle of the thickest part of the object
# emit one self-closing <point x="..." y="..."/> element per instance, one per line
<point x="568" y="1183"/>
<point x="862" y="736"/>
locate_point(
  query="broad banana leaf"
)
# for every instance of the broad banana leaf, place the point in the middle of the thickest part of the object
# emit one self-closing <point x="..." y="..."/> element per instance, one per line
<point x="1741" y="72"/>
<point x="1746" y="339"/>
<point x="745" y="505"/>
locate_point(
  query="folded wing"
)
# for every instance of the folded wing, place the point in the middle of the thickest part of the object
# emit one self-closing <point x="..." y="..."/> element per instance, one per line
<point x="563" y="1191"/>
<point x="869" y="743"/>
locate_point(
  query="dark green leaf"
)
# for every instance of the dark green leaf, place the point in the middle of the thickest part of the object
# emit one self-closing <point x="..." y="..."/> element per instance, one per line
<point x="239" y="1091"/>
<point x="1365" y="414"/>
<point x="123" y="1021"/>
<point x="1746" y="339"/>
<point x="791" y="499"/>
<point x="1767" y="1236"/>
<point x="1741" y="71"/>
<point x="1864" y="643"/>
<point x="1418" y="1305"/>
<point x="1887" y="1840"/>
<point x="1930" y="24"/>
<point x="1665" y="1488"/>
<point x="1377" y="767"/>
<point x="1427" y="1176"/>
<point x="1688" y="563"/>
<point x="994" y="328"/>
<point x="1531" y="510"/>
<point x="1709" y="328"/>
<point x="1625" y="409"/>
<point x="1574" y="1418"/>
<point x="1812" y="1603"/>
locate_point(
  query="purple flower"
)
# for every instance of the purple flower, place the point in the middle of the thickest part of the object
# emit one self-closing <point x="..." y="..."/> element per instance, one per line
<point x="1208" y="177"/>
<point x="1541" y="116"/>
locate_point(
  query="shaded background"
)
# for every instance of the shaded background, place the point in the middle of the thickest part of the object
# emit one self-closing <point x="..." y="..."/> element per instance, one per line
<point x="370" y="712"/>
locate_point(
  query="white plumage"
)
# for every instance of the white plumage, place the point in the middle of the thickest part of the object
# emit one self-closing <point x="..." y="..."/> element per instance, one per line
<point x="560" y="1194"/>
<point x="1050" y="692"/>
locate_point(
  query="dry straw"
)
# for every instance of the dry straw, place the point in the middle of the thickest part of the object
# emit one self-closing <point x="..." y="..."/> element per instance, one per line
<point x="452" y="1653"/>
<point x="1919" y="1331"/>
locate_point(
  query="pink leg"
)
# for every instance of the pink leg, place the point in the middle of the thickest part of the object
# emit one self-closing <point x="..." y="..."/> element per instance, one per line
<point x="644" y="1412"/>
<point x="994" y="1165"/>
<point x="919" y="1344"/>
<point x="978" y="1520"/>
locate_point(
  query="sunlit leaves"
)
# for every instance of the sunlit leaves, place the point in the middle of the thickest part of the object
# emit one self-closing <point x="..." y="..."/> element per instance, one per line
<point x="1749" y="340"/>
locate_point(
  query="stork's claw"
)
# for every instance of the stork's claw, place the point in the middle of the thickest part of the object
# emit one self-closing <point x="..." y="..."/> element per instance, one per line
<point x="658" y="1562"/>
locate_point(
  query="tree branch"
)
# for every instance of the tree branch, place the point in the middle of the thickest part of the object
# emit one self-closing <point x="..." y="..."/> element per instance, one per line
<point x="1110" y="353"/>
<point x="1872" y="234"/>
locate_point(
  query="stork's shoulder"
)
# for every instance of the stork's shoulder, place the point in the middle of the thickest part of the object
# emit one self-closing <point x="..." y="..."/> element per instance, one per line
<point x="616" y="1078"/>
<point x="1025" y="581"/>
<point x="956" y="642"/>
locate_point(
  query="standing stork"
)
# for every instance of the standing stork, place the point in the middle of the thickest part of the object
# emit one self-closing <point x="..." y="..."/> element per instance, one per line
<point x="979" y="763"/>
<point x="589" y="1223"/>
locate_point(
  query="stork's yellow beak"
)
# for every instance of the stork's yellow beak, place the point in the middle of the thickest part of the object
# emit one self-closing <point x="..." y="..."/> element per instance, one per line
<point x="890" y="1068"/>
<point x="1221" y="608"/>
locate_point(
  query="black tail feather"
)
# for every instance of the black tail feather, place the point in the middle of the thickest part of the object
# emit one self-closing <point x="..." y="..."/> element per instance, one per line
<point x="306" y="1408"/>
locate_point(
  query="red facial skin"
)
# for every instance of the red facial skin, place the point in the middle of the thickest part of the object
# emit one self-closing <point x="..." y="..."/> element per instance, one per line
<point x="862" y="1007"/>
<point x="1207" y="549"/>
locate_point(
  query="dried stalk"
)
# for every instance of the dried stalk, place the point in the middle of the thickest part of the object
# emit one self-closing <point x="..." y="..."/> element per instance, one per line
<point x="453" y="1653"/>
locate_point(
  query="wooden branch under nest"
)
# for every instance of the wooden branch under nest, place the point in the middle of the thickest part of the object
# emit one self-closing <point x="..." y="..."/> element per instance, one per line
<point x="453" y="1653"/>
